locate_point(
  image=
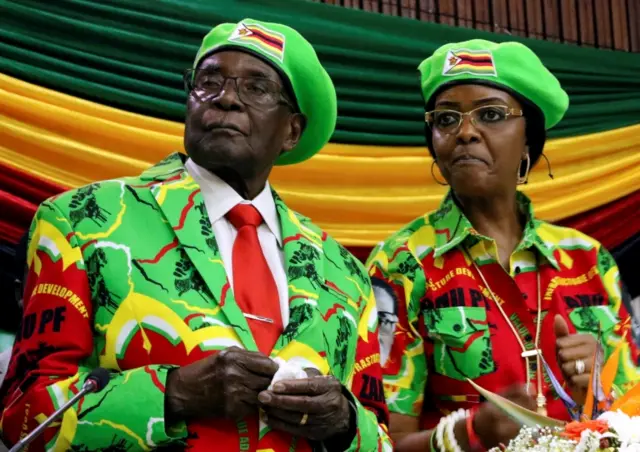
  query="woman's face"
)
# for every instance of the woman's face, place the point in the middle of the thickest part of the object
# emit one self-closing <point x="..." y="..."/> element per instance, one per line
<point x="478" y="154"/>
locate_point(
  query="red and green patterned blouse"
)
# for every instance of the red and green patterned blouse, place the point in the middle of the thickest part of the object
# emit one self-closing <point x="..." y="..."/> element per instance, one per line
<point x="439" y="324"/>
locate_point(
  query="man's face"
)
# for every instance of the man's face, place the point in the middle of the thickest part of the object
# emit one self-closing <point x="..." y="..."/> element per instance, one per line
<point x="225" y="128"/>
<point x="387" y="316"/>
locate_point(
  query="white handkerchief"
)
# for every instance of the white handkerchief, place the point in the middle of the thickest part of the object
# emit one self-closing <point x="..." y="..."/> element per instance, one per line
<point x="287" y="371"/>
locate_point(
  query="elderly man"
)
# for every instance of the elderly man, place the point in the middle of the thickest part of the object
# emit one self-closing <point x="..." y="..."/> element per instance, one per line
<point x="229" y="321"/>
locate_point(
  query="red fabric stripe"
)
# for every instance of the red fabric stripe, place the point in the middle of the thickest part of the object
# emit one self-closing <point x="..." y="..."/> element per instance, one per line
<point x="11" y="232"/>
<point x="332" y="311"/>
<point x="161" y="253"/>
<point x="223" y="296"/>
<point x="27" y="186"/>
<point x="292" y="238"/>
<point x="191" y="317"/>
<point x="468" y="342"/>
<point x="612" y="223"/>
<point x="267" y="43"/>
<point x="478" y="58"/>
<point x="21" y="193"/>
<point x="154" y="377"/>
<point x="185" y="210"/>
<point x="445" y="232"/>
<point x="334" y="287"/>
<point x="475" y="63"/>
<point x="87" y="245"/>
<point x="398" y="251"/>
<point x="23" y="209"/>
<point x="267" y="39"/>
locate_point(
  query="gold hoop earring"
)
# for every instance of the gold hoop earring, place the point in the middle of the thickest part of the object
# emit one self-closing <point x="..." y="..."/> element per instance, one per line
<point x="524" y="179"/>
<point x="434" y="176"/>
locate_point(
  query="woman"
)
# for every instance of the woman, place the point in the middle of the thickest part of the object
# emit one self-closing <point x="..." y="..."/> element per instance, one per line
<point x="481" y="289"/>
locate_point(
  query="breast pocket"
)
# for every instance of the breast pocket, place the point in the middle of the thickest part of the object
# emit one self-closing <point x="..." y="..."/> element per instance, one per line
<point x="462" y="342"/>
<point x="593" y="319"/>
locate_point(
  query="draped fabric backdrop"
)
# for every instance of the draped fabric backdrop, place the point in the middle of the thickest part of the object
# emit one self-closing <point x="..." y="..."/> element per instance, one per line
<point x="92" y="90"/>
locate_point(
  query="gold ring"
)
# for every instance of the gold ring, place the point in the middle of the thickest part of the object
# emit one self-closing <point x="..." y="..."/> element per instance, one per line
<point x="303" y="421"/>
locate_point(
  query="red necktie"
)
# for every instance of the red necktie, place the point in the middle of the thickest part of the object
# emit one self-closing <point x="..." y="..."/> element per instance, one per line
<point x="254" y="288"/>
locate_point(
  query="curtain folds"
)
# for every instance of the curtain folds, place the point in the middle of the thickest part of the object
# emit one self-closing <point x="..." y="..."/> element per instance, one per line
<point x="130" y="54"/>
<point x="358" y="193"/>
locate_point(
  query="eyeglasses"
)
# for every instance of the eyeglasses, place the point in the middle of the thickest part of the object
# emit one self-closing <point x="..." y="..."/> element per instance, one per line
<point x="256" y="92"/>
<point x="487" y="116"/>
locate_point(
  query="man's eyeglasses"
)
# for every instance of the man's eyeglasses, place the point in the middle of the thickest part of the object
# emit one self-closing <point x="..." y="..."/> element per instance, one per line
<point x="256" y="92"/>
<point x="487" y="116"/>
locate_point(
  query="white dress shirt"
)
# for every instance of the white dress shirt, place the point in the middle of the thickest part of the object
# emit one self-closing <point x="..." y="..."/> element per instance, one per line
<point x="219" y="199"/>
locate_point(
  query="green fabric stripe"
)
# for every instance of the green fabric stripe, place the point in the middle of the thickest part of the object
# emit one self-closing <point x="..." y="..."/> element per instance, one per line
<point x="130" y="54"/>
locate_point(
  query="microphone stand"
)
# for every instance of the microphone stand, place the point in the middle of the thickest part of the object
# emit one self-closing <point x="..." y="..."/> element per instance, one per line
<point x="89" y="386"/>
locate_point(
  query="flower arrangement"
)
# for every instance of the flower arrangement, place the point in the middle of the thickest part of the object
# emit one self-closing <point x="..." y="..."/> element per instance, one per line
<point x="606" y="423"/>
<point x="611" y="432"/>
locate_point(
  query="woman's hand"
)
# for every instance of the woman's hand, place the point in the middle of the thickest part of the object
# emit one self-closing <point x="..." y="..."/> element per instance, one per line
<point x="575" y="358"/>
<point x="493" y="426"/>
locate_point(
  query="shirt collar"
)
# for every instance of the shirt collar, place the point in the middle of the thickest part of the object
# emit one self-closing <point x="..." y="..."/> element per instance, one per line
<point x="220" y="198"/>
<point x="452" y="228"/>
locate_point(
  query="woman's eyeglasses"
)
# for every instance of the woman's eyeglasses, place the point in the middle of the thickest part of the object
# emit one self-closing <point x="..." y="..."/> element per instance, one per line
<point x="487" y="116"/>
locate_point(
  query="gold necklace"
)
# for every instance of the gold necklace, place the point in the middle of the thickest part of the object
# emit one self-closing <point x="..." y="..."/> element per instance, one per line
<point x="541" y="400"/>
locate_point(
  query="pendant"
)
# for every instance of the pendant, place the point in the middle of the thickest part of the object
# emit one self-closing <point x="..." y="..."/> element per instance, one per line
<point x="541" y="401"/>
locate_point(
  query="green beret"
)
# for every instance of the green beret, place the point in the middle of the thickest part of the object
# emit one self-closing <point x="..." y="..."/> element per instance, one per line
<point x="293" y="57"/>
<point x="509" y="65"/>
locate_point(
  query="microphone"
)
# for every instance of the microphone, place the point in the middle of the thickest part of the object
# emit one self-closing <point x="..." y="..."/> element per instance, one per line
<point x="95" y="382"/>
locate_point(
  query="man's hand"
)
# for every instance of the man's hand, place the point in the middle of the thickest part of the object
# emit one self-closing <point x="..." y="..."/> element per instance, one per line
<point x="314" y="408"/>
<point x="223" y="385"/>
<point x="573" y="348"/>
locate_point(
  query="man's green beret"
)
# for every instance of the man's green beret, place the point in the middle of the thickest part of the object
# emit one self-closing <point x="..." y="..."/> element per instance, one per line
<point x="508" y="65"/>
<point x="293" y="57"/>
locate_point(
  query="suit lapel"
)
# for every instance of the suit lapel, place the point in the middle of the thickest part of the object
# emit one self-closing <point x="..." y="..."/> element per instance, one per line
<point x="182" y="204"/>
<point x="304" y="266"/>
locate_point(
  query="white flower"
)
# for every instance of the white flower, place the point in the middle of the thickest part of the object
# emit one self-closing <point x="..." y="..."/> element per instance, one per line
<point x="540" y="440"/>
<point x="543" y="439"/>
<point x="630" y="448"/>
<point x="589" y="441"/>
<point x="626" y="428"/>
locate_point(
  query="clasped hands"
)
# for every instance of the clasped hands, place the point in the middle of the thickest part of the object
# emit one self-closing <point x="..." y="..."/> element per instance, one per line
<point x="234" y="383"/>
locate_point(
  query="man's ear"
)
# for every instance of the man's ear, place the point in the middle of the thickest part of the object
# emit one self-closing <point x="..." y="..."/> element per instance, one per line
<point x="297" y="124"/>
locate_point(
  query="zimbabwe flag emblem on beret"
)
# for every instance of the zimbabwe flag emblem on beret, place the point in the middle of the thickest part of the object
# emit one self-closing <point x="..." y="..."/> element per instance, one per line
<point x="261" y="38"/>
<point x="474" y="62"/>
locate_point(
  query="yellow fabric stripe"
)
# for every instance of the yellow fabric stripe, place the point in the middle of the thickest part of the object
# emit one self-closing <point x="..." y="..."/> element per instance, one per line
<point x="358" y="194"/>
<point x="473" y="67"/>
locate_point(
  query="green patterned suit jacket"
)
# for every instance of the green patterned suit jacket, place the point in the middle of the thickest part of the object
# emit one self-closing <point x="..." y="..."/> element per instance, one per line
<point x="126" y="274"/>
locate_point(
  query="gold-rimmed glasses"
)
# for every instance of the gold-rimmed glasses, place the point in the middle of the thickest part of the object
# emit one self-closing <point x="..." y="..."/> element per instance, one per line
<point x="487" y="116"/>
